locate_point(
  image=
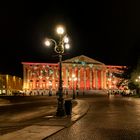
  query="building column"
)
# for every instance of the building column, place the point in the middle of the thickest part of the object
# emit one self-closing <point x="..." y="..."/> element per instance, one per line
<point x="102" y="79"/>
<point x="54" y="77"/>
<point x="70" y="76"/>
<point x="84" y="78"/>
<point x="96" y="79"/>
<point x="28" y="80"/>
<point x="91" y="78"/>
<point x="78" y="78"/>
<point x="24" y="76"/>
<point x="73" y="73"/>
<point x="105" y="79"/>
<point x="66" y="77"/>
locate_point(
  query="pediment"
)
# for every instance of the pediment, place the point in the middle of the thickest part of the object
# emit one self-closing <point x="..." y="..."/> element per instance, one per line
<point x="82" y="59"/>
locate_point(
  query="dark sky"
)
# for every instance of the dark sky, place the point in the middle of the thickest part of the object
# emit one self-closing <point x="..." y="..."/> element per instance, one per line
<point x="108" y="31"/>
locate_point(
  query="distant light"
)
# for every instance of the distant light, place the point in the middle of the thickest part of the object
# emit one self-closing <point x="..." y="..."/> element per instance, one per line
<point x="50" y="83"/>
<point x="73" y="75"/>
<point x="136" y="80"/>
<point x="67" y="46"/>
<point x="47" y="43"/>
<point x="75" y="79"/>
<point x="60" y="30"/>
<point x="114" y="82"/>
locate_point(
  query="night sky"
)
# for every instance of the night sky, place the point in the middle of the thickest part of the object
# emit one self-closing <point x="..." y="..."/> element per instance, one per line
<point x="108" y="31"/>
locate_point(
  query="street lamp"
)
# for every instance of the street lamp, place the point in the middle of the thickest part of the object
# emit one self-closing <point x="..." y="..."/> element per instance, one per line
<point x="59" y="49"/>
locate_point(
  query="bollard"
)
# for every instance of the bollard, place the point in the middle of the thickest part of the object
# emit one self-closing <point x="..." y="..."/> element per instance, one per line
<point x="68" y="106"/>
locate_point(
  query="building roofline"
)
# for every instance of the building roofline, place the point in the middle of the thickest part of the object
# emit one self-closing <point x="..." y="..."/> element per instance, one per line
<point x="38" y="63"/>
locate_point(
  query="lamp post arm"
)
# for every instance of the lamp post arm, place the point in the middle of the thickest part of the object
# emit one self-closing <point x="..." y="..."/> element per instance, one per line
<point x="52" y="40"/>
<point x="58" y="48"/>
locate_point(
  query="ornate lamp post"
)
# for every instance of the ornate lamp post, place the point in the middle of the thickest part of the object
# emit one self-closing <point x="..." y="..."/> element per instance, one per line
<point x="59" y="49"/>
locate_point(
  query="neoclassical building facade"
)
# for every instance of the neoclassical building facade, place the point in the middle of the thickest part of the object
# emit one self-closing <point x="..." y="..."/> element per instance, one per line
<point x="78" y="73"/>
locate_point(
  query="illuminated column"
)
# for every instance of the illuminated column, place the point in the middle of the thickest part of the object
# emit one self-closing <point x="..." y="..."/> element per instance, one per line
<point x="88" y="78"/>
<point x="24" y="76"/>
<point x="73" y="73"/>
<point x="70" y="76"/>
<point x="78" y="77"/>
<point x="54" y="77"/>
<point x="99" y="79"/>
<point x="96" y="79"/>
<point x="102" y="81"/>
<point x="105" y="79"/>
<point x="40" y="77"/>
<point x="84" y="78"/>
<point x="91" y="78"/>
<point x="33" y="79"/>
<point x="102" y="75"/>
<point x="66" y="77"/>
<point x="57" y="79"/>
<point x="28" y="81"/>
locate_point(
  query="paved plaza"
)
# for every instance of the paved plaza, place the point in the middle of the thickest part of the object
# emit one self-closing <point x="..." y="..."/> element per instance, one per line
<point x="98" y="117"/>
<point x="109" y="118"/>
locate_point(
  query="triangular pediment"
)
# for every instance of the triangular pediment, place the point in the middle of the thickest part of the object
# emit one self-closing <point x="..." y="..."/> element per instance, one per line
<point x="83" y="59"/>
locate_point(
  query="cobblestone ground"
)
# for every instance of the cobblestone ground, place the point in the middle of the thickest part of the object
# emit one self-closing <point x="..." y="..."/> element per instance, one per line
<point x="109" y="118"/>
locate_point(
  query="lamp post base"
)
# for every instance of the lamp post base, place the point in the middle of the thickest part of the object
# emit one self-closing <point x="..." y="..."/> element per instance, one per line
<point x="60" y="108"/>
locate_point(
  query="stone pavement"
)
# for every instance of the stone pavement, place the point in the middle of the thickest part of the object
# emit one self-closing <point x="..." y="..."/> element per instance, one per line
<point x="48" y="125"/>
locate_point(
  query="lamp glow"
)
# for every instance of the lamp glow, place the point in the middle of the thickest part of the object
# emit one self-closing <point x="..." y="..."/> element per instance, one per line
<point x="67" y="46"/>
<point x="60" y="30"/>
<point x="47" y="43"/>
<point x="66" y="39"/>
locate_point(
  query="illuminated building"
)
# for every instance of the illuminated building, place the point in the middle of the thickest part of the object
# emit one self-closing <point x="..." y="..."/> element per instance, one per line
<point x="10" y="84"/>
<point x="89" y="74"/>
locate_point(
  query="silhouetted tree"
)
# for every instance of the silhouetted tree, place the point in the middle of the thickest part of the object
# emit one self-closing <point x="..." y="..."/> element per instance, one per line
<point x="129" y="75"/>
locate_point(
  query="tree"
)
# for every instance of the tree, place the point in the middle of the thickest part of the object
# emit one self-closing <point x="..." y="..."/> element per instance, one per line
<point x="128" y="76"/>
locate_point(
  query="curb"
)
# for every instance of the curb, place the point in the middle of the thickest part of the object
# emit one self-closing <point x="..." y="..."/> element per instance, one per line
<point x="45" y="129"/>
